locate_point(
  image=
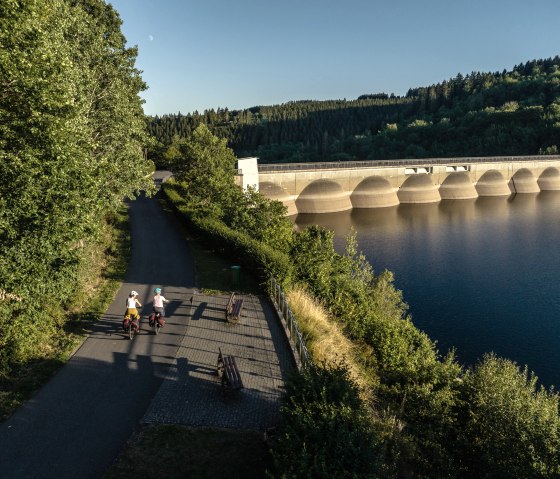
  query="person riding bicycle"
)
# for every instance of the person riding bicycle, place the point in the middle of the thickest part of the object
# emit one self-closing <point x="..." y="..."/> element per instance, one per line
<point x="159" y="299"/>
<point x="131" y="303"/>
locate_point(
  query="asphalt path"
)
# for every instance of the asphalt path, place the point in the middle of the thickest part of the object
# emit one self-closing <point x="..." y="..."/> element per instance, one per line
<point x="77" y="424"/>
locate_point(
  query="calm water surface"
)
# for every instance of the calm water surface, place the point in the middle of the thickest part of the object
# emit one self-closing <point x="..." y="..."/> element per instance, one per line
<point x="480" y="275"/>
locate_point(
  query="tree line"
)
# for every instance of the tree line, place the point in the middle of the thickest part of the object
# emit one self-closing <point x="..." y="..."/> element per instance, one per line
<point x="72" y="132"/>
<point x="514" y="112"/>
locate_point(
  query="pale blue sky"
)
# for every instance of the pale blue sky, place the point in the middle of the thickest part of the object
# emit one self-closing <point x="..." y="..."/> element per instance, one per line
<point x="203" y="54"/>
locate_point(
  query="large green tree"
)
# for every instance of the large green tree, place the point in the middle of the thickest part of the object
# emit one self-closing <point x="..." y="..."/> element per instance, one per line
<point x="206" y="166"/>
<point x="71" y="148"/>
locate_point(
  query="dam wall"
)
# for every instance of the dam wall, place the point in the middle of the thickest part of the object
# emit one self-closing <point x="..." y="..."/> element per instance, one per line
<point x="340" y="186"/>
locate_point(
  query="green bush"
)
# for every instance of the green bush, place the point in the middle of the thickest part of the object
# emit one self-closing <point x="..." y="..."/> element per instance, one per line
<point x="253" y="254"/>
<point x="417" y="388"/>
<point x="511" y="427"/>
<point x="327" y="432"/>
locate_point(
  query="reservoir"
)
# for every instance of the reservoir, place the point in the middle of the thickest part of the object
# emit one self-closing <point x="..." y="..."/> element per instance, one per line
<point x="478" y="275"/>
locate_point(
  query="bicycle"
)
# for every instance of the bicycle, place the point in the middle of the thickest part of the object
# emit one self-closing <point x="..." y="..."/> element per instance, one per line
<point x="131" y="326"/>
<point x="156" y="321"/>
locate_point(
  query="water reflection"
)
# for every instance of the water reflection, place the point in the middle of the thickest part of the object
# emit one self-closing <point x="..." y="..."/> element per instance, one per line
<point x="480" y="275"/>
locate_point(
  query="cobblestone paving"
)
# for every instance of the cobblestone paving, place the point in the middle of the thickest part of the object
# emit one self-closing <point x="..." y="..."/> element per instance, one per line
<point x="191" y="393"/>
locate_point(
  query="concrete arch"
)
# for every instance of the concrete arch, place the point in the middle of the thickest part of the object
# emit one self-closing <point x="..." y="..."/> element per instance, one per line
<point x="457" y="186"/>
<point x="418" y="189"/>
<point x="374" y="192"/>
<point x="549" y="179"/>
<point x="523" y="181"/>
<point x="323" y="196"/>
<point x="276" y="192"/>
<point x="492" y="183"/>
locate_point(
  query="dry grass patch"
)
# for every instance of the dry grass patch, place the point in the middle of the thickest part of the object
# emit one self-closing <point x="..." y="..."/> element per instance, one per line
<point x="325" y="339"/>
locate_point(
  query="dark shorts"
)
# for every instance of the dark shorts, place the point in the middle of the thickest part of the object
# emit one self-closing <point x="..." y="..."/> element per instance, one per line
<point x="159" y="310"/>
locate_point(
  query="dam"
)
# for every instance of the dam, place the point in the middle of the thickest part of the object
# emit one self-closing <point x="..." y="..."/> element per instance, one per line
<point x="339" y="186"/>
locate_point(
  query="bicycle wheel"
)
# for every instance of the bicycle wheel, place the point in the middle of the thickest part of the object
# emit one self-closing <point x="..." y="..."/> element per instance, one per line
<point x="130" y="331"/>
<point x="156" y="327"/>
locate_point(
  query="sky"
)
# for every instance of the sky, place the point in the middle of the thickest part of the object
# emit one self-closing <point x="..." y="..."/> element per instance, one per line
<point x="236" y="54"/>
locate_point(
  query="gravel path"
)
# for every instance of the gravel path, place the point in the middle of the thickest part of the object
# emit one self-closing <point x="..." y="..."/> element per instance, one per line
<point x="191" y="393"/>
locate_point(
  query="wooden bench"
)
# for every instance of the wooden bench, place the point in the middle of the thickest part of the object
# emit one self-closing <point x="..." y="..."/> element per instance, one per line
<point x="228" y="373"/>
<point x="233" y="308"/>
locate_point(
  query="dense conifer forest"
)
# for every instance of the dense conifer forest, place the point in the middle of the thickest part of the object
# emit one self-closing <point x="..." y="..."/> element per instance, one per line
<point x="513" y="112"/>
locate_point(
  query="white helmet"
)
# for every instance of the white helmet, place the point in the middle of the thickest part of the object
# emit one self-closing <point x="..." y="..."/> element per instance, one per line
<point x="133" y="293"/>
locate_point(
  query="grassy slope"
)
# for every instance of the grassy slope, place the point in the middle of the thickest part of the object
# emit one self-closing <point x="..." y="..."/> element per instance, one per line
<point x="326" y="341"/>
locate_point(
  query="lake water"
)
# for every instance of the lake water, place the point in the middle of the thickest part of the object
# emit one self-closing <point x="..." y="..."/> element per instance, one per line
<point x="478" y="275"/>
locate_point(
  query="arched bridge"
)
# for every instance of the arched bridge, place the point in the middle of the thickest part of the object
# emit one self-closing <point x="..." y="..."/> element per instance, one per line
<point x="340" y="186"/>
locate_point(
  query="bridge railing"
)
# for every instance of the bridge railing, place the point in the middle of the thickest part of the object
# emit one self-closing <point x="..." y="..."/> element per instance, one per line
<point x="295" y="338"/>
<point x="265" y="168"/>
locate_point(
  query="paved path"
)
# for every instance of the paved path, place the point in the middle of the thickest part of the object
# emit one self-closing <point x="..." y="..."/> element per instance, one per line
<point x="76" y="425"/>
<point x="191" y="394"/>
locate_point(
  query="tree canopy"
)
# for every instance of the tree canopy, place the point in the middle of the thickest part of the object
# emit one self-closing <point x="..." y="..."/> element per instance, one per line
<point x="72" y="133"/>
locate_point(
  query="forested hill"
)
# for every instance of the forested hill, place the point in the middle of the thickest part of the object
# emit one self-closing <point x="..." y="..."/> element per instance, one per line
<point x="513" y="112"/>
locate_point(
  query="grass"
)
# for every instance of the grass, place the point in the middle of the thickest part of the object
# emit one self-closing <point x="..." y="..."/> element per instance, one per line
<point x="325" y="339"/>
<point x="104" y="283"/>
<point x="170" y="451"/>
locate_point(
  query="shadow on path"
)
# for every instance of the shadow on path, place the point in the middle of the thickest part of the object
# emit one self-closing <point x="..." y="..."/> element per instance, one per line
<point x="76" y="425"/>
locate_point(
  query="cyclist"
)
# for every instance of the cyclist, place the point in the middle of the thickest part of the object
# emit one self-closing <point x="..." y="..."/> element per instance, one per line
<point x="159" y="299"/>
<point x="131" y="311"/>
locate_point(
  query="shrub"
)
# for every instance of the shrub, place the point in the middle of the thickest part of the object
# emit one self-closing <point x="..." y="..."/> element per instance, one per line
<point x="512" y="428"/>
<point x="326" y="431"/>
<point x="261" y="258"/>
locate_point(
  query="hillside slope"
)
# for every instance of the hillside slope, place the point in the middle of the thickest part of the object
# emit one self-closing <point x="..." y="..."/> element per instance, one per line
<point x="513" y="112"/>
